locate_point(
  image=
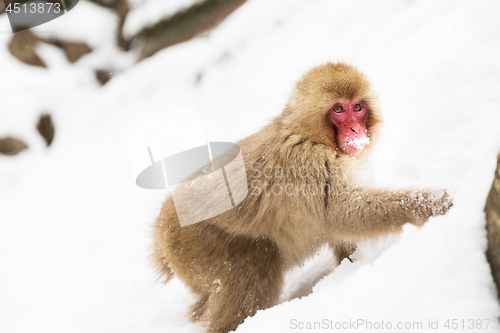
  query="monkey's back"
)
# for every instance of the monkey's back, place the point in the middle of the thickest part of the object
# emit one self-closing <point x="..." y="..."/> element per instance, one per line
<point x="288" y="227"/>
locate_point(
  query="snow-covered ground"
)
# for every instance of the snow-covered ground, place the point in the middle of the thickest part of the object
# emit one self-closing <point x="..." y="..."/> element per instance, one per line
<point x="148" y="12"/>
<point x="75" y="230"/>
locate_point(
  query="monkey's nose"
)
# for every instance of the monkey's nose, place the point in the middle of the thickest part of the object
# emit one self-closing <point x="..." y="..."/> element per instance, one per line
<point x="352" y="129"/>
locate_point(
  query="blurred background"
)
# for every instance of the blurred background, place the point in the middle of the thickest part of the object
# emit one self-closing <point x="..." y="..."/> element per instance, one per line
<point x="75" y="230"/>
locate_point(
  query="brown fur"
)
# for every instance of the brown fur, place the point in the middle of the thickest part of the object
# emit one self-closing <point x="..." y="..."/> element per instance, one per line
<point x="236" y="261"/>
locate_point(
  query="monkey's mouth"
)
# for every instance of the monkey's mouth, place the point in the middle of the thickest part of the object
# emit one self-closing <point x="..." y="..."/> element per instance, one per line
<point x="354" y="145"/>
<point x="359" y="143"/>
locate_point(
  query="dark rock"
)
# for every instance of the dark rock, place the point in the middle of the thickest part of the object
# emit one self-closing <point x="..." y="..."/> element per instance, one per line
<point x="492" y="210"/>
<point x="11" y="146"/>
<point x="184" y="25"/>
<point x="121" y="9"/>
<point x="22" y="46"/>
<point x="72" y="50"/>
<point x="103" y="76"/>
<point x="46" y="129"/>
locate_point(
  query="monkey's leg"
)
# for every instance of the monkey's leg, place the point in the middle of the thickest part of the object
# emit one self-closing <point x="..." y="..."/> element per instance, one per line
<point x="234" y="275"/>
<point x="342" y="251"/>
<point x="200" y="307"/>
<point x="253" y="280"/>
<point x="240" y="297"/>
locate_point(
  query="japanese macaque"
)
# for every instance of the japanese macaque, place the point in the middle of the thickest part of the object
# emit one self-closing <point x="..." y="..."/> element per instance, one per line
<point x="301" y="195"/>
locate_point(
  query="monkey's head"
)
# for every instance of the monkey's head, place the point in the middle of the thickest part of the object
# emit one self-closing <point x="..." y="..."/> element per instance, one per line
<point x="333" y="104"/>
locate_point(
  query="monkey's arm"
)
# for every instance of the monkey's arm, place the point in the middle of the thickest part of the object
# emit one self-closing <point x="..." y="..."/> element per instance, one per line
<point x="361" y="213"/>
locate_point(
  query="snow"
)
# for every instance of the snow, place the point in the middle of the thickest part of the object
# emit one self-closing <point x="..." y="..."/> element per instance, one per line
<point x="75" y="231"/>
<point x="359" y="143"/>
<point x="147" y="13"/>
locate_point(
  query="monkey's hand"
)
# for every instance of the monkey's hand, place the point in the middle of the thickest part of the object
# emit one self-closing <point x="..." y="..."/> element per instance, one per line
<point x="431" y="203"/>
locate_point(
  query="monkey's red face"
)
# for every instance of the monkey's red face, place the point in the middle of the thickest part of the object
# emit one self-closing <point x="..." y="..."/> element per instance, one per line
<point x="349" y="119"/>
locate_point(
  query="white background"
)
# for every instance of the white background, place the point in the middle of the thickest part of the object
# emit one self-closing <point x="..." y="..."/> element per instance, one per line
<point x="75" y="231"/>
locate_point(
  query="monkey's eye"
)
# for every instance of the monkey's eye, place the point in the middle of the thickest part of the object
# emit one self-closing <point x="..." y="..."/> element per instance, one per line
<point x="357" y="107"/>
<point x="338" y="109"/>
